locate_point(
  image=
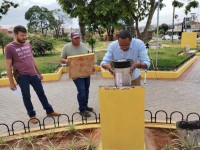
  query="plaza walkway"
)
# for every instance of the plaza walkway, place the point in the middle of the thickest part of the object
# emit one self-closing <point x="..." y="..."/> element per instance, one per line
<point x="181" y="95"/>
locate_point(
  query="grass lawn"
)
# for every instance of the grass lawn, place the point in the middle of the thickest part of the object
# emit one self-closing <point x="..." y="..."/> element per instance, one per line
<point x="176" y="43"/>
<point x="2" y="62"/>
<point x="169" y="42"/>
<point x="46" y="63"/>
<point x="58" y="45"/>
<point x="167" y="57"/>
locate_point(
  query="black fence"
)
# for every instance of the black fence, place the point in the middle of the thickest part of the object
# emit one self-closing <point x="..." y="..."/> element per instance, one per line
<point x="95" y="119"/>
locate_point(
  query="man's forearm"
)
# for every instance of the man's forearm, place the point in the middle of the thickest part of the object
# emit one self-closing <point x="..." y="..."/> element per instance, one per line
<point x="36" y="68"/>
<point x="63" y="61"/>
<point x="141" y="65"/>
<point x="104" y="66"/>
<point x="38" y="71"/>
<point x="10" y="75"/>
<point x="108" y="67"/>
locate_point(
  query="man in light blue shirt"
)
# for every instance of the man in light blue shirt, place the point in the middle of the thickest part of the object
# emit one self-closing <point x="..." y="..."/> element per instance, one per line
<point x="127" y="47"/>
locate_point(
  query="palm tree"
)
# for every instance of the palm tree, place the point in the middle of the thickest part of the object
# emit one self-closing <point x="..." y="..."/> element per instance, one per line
<point x="175" y="4"/>
<point x="191" y="4"/>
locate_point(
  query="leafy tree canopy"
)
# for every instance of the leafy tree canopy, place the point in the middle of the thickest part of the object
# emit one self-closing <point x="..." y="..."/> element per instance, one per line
<point x="5" y="6"/>
<point x="107" y="13"/>
<point x="57" y="20"/>
<point x="76" y="8"/>
<point x="191" y="4"/>
<point x="4" y="40"/>
<point x="178" y="4"/>
<point x="42" y="20"/>
<point x="163" y="27"/>
<point x="38" y="18"/>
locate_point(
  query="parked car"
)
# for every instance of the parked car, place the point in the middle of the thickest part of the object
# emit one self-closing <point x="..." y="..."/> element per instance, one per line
<point x="166" y="37"/>
<point x="175" y="37"/>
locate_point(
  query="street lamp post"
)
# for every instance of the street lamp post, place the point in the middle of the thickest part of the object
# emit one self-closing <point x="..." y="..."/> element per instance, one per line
<point x="157" y="34"/>
<point x="173" y="24"/>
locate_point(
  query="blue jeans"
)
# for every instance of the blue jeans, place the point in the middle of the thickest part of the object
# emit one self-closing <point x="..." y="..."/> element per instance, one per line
<point x="24" y="82"/>
<point x="82" y="85"/>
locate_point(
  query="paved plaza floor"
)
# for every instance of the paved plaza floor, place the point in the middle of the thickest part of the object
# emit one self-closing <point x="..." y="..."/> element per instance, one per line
<point x="182" y="94"/>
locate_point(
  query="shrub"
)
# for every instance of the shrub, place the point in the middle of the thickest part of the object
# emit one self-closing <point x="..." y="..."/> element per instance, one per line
<point x="4" y="40"/>
<point x="41" y="45"/>
<point x="65" y="39"/>
<point x="91" y="41"/>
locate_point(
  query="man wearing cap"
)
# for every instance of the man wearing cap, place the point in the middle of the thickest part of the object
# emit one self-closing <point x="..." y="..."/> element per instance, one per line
<point x="75" y="47"/>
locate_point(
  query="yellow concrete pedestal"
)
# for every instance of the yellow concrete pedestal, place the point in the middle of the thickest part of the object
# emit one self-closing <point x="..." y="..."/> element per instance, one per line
<point x="122" y="118"/>
<point x="190" y="39"/>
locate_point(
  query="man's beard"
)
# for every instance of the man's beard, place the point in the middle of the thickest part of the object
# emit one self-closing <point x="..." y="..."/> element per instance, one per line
<point x="21" y="41"/>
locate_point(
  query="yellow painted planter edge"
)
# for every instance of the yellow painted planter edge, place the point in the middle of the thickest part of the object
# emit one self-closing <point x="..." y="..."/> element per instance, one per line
<point x="159" y="74"/>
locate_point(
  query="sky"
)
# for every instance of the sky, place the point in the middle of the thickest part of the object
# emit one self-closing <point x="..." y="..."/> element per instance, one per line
<point x="15" y="16"/>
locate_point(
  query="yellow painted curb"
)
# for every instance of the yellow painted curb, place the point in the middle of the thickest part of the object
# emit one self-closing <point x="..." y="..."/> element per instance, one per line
<point x="52" y="76"/>
<point x="46" y="77"/>
<point x="97" y="68"/>
<point x="4" y="82"/>
<point x="160" y="125"/>
<point x="106" y="74"/>
<point x="197" y="54"/>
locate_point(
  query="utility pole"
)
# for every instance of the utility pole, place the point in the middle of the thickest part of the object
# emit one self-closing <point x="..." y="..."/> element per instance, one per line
<point x="173" y="24"/>
<point x="157" y="34"/>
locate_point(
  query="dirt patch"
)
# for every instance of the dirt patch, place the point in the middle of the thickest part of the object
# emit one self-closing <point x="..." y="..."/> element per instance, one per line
<point x="155" y="139"/>
<point x="158" y="138"/>
<point x="72" y="140"/>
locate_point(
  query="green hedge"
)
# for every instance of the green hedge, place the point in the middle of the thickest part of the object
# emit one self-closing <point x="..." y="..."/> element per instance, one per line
<point x="41" y="45"/>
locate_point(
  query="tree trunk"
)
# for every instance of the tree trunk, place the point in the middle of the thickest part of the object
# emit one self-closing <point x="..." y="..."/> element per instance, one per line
<point x="137" y="28"/>
<point x="42" y="30"/>
<point x="3" y="47"/>
<point x="82" y="30"/>
<point x="112" y="34"/>
<point x="108" y="34"/>
<point x="148" y="24"/>
<point x="57" y="33"/>
<point x="100" y="35"/>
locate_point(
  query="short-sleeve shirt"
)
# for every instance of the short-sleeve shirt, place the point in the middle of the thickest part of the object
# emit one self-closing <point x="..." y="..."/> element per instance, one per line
<point x="22" y="58"/>
<point x="70" y="50"/>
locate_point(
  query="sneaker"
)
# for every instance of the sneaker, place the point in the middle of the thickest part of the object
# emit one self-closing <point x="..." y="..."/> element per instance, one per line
<point x="54" y="114"/>
<point x="89" y="108"/>
<point x="85" y="113"/>
<point x="34" y="120"/>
